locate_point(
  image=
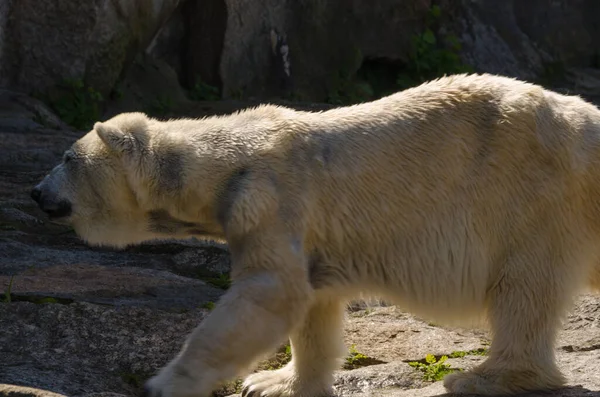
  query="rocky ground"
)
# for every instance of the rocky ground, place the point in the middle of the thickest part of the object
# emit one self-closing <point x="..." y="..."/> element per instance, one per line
<point x="78" y="321"/>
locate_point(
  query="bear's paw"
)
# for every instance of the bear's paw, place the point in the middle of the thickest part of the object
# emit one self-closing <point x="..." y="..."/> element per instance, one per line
<point x="283" y="382"/>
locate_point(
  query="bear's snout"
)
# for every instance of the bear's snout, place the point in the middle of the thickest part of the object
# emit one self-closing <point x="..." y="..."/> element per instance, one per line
<point x="51" y="206"/>
<point x="36" y="194"/>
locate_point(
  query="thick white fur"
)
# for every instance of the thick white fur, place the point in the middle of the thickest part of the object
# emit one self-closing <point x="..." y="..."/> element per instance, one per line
<point x="467" y="197"/>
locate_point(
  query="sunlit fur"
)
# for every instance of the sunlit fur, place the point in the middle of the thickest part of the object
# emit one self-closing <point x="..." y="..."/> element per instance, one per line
<point x="464" y="198"/>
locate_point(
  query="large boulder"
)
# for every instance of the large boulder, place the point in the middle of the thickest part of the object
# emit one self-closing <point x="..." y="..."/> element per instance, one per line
<point x="46" y="42"/>
<point x="314" y="41"/>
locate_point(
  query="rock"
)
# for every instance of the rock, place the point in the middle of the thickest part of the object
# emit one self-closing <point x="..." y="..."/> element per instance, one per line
<point x="388" y="333"/>
<point x="122" y="286"/>
<point x="20" y="391"/>
<point x="19" y="112"/>
<point x="325" y="39"/>
<point x="150" y="86"/>
<point x="45" y="42"/>
<point x="81" y="348"/>
<point x="328" y="43"/>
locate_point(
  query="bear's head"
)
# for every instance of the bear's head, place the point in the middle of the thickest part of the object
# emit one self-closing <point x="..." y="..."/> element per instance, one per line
<point x="99" y="187"/>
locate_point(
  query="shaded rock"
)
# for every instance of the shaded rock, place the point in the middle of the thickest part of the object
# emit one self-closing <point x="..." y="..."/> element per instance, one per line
<point x="81" y="348"/>
<point x="20" y="112"/>
<point x="123" y="286"/>
<point x="150" y="86"/>
<point x="325" y="39"/>
<point x="205" y="22"/>
<point x="45" y="42"/>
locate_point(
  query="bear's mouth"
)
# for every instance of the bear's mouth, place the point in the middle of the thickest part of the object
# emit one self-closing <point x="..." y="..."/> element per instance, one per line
<point x="60" y="211"/>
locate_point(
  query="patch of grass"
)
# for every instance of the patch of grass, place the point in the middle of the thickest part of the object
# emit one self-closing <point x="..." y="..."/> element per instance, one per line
<point x="8" y="293"/>
<point x="229" y="388"/>
<point x="475" y="352"/>
<point x="433" y="369"/>
<point x="76" y="104"/>
<point x="356" y="359"/>
<point x="222" y="281"/>
<point x="37" y="299"/>
<point x="281" y="358"/>
<point x="209" y="305"/>
<point x="7" y="227"/>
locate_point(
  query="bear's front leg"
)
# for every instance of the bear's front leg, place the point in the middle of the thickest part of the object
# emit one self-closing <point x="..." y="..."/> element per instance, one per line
<point x="269" y="295"/>
<point x="317" y="351"/>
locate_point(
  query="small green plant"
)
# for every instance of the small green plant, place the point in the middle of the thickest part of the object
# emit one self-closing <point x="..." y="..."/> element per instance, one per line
<point x="204" y="92"/>
<point x="475" y="352"/>
<point x="7" y="294"/>
<point x="229" y="388"/>
<point x="76" y="104"/>
<point x="222" y="281"/>
<point x="355" y="359"/>
<point x="209" y="305"/>
<point x="432" y="56"/>
<point x="7" y="227"/>
<point x="433" y="369"/>
<point x="282" y="357"/>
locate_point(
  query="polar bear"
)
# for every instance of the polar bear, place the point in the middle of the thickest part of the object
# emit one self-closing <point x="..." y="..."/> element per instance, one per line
<point x="469" y="197"/>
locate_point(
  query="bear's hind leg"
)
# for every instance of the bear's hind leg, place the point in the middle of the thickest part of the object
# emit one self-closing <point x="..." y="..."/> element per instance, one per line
<point x="317" y="347"/>
<point x="524" y="312"/>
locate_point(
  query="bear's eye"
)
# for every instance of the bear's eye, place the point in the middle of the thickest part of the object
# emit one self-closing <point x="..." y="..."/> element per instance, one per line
<point x="68" y="157"/>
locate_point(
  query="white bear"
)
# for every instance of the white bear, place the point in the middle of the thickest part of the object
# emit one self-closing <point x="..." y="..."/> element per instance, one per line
<point x="469" y="197"/>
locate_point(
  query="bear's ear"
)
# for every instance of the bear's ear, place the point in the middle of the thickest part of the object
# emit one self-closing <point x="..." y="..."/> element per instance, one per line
<point x="114" y="138"/>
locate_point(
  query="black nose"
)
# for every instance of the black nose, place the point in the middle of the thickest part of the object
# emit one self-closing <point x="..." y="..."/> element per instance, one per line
<point x="36" y="194"/>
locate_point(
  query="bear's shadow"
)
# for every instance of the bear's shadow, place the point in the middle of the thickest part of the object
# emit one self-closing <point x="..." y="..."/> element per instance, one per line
<point x="572" y="391"/>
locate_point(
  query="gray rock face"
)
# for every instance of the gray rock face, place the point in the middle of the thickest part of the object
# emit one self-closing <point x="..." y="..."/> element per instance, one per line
<point x="268" y="48"/>
<point x="43" y="42"/>
<point x="324" y="40"/>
